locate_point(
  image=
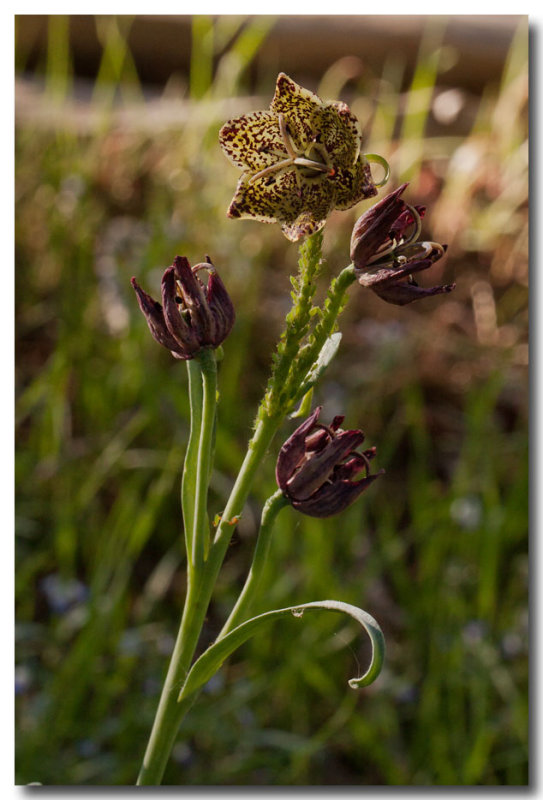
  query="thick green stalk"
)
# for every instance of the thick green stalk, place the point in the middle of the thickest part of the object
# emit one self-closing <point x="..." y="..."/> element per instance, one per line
<point x="298" y="323"/>
<point x="272" y="507"/>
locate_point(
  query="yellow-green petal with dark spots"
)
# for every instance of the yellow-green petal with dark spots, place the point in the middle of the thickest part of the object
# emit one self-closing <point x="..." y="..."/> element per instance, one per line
<point x="317" y="201"/>
<point x="354" y="185"/>
<point x="273" y="198"/>
<point x="338" y="132"/>
<point x="253" y="141"/>
<point x="297" y="106"/>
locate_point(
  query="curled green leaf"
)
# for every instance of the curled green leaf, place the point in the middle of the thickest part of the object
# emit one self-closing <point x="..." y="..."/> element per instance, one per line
<point x="210" y="662"/>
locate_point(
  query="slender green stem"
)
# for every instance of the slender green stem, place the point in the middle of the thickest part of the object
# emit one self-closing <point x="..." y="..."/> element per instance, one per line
<point x="264" y="432"/>
<point x="170" y="713"/>
<point x="272" y="507"/>
<point x="200" y="536"/>
<point x="190" y="468"/>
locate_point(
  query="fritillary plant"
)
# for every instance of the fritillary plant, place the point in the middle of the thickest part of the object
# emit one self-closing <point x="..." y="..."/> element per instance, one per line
<point x="300" y="160"/>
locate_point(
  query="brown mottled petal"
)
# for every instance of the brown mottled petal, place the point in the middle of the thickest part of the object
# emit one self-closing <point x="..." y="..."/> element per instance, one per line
<point x="221" y="307"/>
<point x="253" y="141"/>
<point x="194" y="298"/>
<point x="379" y="276"/>
<point x="336" y="422"/>
<point x="334" y="497"/>
<point x="181" y="331"/>
<point x="355" y="464"/>
<point x="337" y="130"/>
<point x="400" y="294"/>
<point x="317" y="440"/>
<point x="315" y="471"/>
<point x="293" y="449"/>
<point x="153" y="313"/>
<point x="297" y="106"/>
<point x="273" y="198"/>
<point x="372" y="229"/>
<point x="190" y="287"/>
<point x="354" y="184"/>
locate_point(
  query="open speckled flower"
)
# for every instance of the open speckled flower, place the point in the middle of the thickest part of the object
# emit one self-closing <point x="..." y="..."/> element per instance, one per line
<point x="301" y="159"/>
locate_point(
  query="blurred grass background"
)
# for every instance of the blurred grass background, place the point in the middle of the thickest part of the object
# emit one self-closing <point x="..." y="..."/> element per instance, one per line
<point x="117" y="170"/>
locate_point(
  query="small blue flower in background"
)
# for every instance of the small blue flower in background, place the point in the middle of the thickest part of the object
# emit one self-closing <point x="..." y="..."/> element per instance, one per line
<point x="62" y="594"/>
<point x="23" y="679"/>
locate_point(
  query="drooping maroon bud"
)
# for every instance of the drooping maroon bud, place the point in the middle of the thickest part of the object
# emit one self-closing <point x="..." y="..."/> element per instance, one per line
<point x="372" y="229"/>
<point x="317" y="464"/>
<point x="385" y="257"/>
<point x="193" y="314"/>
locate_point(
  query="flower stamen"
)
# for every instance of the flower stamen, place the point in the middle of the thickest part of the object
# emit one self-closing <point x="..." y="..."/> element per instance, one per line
<point x="385" y="251"/>
<point x="287" y="162"/>
<point x="415" y="233"/>
<point x="307" y="162"/>
<point x="287" y="141"/>
<point x="400" y="248"/>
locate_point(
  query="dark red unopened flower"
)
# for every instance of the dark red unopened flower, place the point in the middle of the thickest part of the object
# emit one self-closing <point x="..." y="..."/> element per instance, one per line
<point x="193" y="314"/>
<point x="317" y="465"/>
<point x="386" y="252"/>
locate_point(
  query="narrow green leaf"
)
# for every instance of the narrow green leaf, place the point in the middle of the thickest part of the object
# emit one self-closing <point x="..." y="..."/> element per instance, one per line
<point x="327" y="353"/>
<point x="304" y="408"/>
<point x="210" y="662"/>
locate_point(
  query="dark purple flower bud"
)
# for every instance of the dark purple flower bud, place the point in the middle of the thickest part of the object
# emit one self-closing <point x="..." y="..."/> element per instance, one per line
<point x="317" y="465"/>
<point x="385" y="257"/>
<point x="193" y="314"/>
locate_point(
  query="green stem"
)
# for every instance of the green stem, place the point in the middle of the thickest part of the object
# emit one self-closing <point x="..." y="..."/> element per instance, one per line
<point x="170" y="713"/>
<point x="265" y="430"/>
<point x="190" y="468"/>
<point x="202" y="372"/>
<point x="272" y="507"/>
<point x="200" y="537"/>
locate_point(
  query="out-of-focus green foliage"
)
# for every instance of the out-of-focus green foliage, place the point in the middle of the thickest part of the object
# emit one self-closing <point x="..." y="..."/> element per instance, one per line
<point x="436" y="551"/>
